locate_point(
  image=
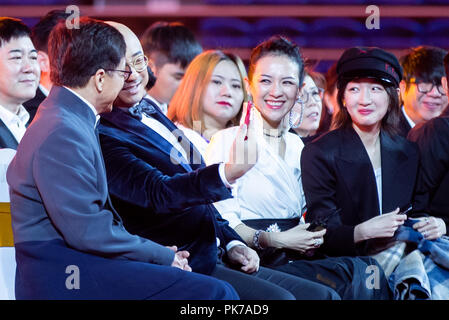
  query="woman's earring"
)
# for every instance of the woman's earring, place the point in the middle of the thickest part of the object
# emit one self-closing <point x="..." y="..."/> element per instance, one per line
<point x="295" y="123"/>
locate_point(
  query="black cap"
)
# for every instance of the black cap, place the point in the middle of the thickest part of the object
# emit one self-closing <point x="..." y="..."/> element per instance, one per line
<point x="368" y="62"/>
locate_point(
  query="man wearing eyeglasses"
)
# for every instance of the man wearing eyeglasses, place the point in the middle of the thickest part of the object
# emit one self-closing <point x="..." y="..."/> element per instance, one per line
<point x="148" y="161"/>
<point x="431" y="193"/>
<point x="422" y="93"/>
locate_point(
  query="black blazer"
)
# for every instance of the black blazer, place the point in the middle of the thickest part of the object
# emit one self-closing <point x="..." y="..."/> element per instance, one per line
<point x="142" y="179"/>
<point x="32" y="104"/>
<point x="7" y="139"/>
<point x="338" y="178"/>
<point x="404" y="127"/>
<point x="432" y="189"/>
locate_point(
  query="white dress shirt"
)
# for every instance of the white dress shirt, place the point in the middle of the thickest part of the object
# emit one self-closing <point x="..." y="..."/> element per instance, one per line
<point x="409" y="120"/>
<point x="162" y="106"/>
<point x="16" y="123"/>
<point x="272" y="189"/>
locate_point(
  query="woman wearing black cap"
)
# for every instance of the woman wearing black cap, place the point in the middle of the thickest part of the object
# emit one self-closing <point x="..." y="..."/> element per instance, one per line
<point x="359" y="176"/>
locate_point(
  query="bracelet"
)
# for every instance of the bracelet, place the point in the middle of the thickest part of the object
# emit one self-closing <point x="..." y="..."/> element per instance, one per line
<point x="256" y="239"/>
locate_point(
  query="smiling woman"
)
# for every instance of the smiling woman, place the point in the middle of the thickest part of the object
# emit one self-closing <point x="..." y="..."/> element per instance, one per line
<point x="269" y="202"/>
<point x="356" y="168"/>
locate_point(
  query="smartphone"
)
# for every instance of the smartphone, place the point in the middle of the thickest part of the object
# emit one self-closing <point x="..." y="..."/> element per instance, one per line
<point x="407" y="210"/>
<point x="249" y="105"/>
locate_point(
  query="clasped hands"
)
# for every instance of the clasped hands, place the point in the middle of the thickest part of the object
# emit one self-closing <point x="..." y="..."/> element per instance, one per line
<point x="239" y="254"/>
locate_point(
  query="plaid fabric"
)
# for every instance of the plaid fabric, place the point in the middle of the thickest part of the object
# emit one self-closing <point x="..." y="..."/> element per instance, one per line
<point x="416" y="268"/>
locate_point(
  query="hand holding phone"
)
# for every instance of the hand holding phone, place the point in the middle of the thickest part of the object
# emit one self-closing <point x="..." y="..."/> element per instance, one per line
<point x="249" y="105"/>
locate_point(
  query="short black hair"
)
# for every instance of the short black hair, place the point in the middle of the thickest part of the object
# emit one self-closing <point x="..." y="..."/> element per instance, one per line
<point x="424" y="63"/>
<point x="12" y="28"/>
<point x="172" y="42"/>
<point x="41" y="31"/>
<point x="277" y="45"/>
<point x="77" y="53"/>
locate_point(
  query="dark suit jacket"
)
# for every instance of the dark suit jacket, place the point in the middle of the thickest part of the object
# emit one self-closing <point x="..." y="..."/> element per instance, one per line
<point x="59" y="190"/>
<point x="404" y="127"/>
<point x="337" y="176"/>
<point x="432" y="190"/>
<point x="7" y="140"/>
<point x="157" y="199"/>
<point x="32" y="104"/>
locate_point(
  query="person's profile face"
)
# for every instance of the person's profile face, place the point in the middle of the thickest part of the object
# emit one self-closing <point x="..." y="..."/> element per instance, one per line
<point x="19" y="70"/>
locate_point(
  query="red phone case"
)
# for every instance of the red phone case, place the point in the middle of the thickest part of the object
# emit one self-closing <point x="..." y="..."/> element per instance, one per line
<point x="248" y="109"/>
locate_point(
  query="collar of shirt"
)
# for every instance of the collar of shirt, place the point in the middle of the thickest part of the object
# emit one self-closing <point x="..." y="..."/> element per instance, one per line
<point x="44" y="90"/>
<point x="10" y="118"/>
<point x="97" y="116"/>
<point x="162" y="106"/>
<point x="409" y="120"/>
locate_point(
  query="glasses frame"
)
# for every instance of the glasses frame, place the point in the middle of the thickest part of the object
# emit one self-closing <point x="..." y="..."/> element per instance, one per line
<point x="305" y="95"/>
<point x="133" y="63"/>
<point x="128" y="73"/>
<point x="431" y="88"/>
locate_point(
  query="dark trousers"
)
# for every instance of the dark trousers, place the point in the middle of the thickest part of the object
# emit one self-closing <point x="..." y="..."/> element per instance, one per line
<point x="50" y="270"/>
<point x="269" y="284"/>
<point x="353" y="278"/>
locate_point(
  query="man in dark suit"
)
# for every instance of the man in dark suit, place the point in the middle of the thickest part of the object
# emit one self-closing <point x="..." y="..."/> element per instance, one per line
<point x="64" y="226"/>
<point x="432" y="187"/>
<point x="39" y="35"/>
<point x="422" y="94"/>
<point x="134" y="144"/>
<point x="19" y="72"/>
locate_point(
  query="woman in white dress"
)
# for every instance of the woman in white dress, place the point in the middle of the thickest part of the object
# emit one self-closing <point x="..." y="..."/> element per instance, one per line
<point x="268" y="200"/>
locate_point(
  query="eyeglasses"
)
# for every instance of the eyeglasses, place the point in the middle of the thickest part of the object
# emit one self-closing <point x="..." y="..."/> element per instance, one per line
<point x="315" y="94"/>
<point x="426" y="87"/>
<point x="123" y="73"/>
<point x="139" y="63"/>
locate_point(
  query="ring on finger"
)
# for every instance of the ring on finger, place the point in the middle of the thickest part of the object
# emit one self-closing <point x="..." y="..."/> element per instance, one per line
<point x="318" y="242"/>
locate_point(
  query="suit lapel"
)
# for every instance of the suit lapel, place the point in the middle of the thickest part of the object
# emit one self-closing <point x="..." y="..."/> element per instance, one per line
<point x="394" y="161"/>
<point x="357" y="173"/>
<point x="127" y="123"/>
<point x="7" y="139"/>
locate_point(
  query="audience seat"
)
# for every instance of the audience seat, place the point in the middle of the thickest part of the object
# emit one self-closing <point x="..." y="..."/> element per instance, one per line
<point x="395" y="33"/>
<point x="436" y="33"/>
<point x="294" y="29"/>
<point x="226" y="33"/>
<point x="336" y="33"/>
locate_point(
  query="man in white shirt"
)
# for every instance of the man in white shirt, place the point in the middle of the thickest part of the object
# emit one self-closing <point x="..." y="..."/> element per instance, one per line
<point x="170" y="47"/>
<point x="20" y="73"/>
<point x="421" y="90"/>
